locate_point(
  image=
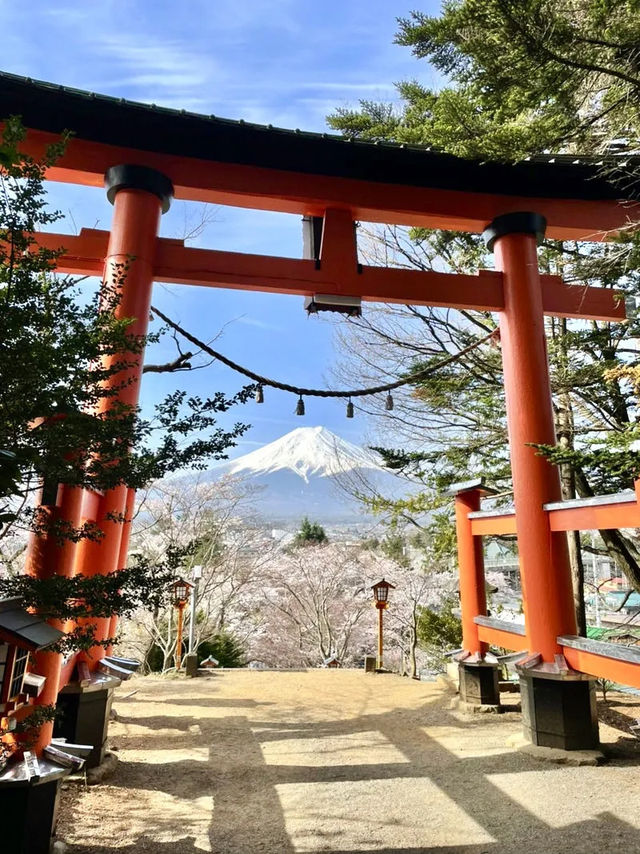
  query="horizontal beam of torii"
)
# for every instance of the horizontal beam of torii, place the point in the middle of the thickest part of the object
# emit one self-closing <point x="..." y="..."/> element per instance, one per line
<point x="337" y="273"/>
<point x="251" y="186"/>
<point x="214" y="160"/>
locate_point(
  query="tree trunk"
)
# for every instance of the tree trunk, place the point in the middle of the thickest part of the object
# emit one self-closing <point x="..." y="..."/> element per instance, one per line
<point x="413" y="644"/>
<point x="564" y="428"/>
<point x="166" y="664"/>
<point x="577" y="579"/>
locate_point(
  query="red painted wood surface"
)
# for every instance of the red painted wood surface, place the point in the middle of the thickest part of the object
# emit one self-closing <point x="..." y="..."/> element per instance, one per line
<point x="543" y="554"/>
<point x="602" y="667"/>
<point x="501" y="638"/>
<point x="599" y="518"/>
<point x="305" y="193"/>
<point x="473" y="599"/>
<point x="47" y="557"/>
<point x="494" y="525"/>
<point x="128" y="265"/>
<point x="177" y="264"/>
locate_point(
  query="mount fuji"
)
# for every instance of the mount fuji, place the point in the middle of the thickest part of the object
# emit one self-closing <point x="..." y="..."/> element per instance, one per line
<point x="309" y="472"/>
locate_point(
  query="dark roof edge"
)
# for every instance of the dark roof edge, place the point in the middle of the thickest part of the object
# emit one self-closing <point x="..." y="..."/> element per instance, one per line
<point x="113" y="121"/>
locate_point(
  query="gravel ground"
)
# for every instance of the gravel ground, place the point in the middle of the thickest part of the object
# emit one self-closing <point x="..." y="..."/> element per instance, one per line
<point x="338" y="761"/>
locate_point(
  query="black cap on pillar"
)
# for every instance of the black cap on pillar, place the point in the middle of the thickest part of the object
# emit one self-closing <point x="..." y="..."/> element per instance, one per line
<point x="132" y="176"/>
<point x="519" y="222"/>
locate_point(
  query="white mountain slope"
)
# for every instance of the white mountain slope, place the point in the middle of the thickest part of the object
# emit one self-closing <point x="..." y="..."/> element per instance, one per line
<point x="304" y="473"/>
<point x="308" y="452"/>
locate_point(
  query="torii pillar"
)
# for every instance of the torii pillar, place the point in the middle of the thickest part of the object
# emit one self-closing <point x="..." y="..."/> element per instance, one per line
<point x="558" y="705"/>
<point x="140" y="196"/>
<point x="478" y="675"/>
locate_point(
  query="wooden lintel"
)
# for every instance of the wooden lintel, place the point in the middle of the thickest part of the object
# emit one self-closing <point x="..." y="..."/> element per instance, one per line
<point x="260" y="188"/>
<point x="178" y="264"/>
<point x="499" y="524"/>
<point x="505" y="639"/>
<point x="596" y="518"/>
<point x="603" y="666"/>
<point x="562" y="300"/>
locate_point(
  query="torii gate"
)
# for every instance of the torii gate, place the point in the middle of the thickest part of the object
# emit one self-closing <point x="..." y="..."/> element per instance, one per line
<point x="145" y="155"/>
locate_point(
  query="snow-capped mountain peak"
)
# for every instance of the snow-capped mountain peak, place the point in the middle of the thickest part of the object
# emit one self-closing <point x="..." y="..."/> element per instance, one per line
<point x="309" y="472"/>
<point x="306" y="451"/>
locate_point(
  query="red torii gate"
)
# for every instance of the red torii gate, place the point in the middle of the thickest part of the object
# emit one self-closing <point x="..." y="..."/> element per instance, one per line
<point x="146" y="155"/>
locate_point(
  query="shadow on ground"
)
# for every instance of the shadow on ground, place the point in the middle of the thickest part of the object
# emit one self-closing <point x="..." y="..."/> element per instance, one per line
<point x="404" y="781"/>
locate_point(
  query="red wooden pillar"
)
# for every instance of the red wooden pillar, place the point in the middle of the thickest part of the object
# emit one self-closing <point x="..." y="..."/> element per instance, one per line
<point x="473" y="598"/>
<point x="122" y="554"/>
<point x="544" y="558"/>
<point x="558" y="705"/>
<point x="48" y="556"/>
<point x="139" y="195"/>
<point x="478" y="678"/>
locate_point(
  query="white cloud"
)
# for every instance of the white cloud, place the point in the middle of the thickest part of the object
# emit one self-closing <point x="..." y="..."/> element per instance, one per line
<point x="163" y="64"/>
<point x="258" y="324"/>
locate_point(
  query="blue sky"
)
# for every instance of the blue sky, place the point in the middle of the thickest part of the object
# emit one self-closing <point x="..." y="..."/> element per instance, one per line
<point x="283" y="62"/>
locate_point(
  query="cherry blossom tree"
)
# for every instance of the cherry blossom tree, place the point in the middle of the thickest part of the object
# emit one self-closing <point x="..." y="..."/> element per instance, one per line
<point x="210" y="519"/>
<point x="314" y="602"/>
<point x="317" y="602"/>
<point x="416" y="588"/>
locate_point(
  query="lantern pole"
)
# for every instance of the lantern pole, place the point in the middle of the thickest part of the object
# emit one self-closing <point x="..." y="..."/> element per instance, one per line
<point x="180" y="597"/>
<point x="380" y="606"/>
<point x="181" y="605"/>
<point x="196" y="574"/>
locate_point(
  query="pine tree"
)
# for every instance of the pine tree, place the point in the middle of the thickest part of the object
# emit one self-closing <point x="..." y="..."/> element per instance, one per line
<point x="522" y="78"/>
<point x="310" y="534"/>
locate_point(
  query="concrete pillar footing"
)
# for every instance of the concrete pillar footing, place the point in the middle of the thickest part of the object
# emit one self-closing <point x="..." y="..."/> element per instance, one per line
<point x="28" y="814"/>
<point x="190" y="662"/>
<point x="84" y="717"/>
<point x="479" y="683"/>
<point x="559" y="710"/>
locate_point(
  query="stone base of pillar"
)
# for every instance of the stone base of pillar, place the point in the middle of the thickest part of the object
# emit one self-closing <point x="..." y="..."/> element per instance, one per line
<point x="190" y="662"/>
<point x="559" y="712"/>
<point x="84" y="716"/>
<point x="478" y="683"/>
<point x="28" y="817"/>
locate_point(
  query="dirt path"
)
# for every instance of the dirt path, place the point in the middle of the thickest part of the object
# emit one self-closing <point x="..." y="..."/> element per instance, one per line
<point x="336" y="761"/>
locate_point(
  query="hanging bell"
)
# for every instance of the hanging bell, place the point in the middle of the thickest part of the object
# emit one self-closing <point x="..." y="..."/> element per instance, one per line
<point x="259" y="395"/>
<point x="300" y="406"/>
<point x="388" y="404"/>
<point x="349" y="409"/>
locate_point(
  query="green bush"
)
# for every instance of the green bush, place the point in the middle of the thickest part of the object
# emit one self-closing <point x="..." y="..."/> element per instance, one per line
<point x="439" y="631"/>
<point x="155" y="659"/>
<point x="225" y="648"/>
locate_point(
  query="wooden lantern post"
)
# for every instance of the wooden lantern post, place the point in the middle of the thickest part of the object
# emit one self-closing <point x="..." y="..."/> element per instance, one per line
<point x="180" y="597"/>
<point x="381" y="596"/>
